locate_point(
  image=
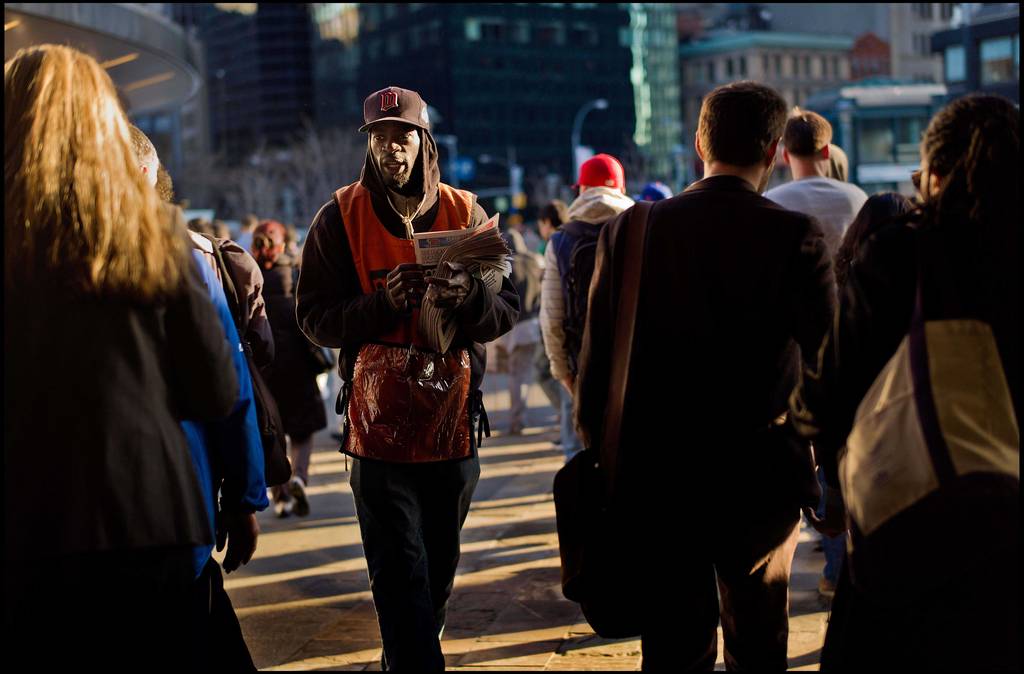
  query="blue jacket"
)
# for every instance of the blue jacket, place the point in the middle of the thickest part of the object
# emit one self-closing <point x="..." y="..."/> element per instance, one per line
<point x="229" y="449"/>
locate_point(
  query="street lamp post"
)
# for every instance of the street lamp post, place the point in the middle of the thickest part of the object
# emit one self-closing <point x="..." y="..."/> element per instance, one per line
<point x="515" y="171"/>
<point x="577" y="126"/>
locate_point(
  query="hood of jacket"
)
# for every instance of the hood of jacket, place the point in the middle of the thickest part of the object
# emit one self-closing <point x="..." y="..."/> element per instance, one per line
<point x="426" y="172"/>
<point x="598" y="204"/>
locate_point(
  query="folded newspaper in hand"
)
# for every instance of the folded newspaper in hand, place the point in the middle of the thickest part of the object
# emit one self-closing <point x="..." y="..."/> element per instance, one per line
<point x="485" y="256"/>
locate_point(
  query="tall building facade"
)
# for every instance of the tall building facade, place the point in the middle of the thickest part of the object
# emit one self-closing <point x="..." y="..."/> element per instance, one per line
<point x="983" y="53"/>
<point x="655" y="79"/>
<point x="905" y="26"/>
<point x="505" y="81"/>
<point x="259" y="69"/>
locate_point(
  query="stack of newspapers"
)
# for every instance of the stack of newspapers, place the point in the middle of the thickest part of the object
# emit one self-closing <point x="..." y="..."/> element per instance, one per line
<point x="484" y="254"/>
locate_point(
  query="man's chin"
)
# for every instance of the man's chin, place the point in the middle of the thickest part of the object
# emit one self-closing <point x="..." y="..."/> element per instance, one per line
<point x="397" y="182"/>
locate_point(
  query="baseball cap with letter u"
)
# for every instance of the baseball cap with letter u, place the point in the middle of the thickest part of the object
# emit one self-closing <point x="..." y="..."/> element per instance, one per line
<point x="602" y="170"/>
<point x="396" y="105"/>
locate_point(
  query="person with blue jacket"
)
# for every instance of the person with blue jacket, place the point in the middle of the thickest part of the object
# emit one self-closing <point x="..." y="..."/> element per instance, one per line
<point x="228" y="457"/>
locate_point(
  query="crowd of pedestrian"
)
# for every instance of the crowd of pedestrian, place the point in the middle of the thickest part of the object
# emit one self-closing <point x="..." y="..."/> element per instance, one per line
<point x="721" y="362"/>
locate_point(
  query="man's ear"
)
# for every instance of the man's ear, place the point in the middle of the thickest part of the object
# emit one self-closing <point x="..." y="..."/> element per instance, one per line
<point x="825" y="151"/>
<point x="785" y="156"/>
<point x="696" y="145"/>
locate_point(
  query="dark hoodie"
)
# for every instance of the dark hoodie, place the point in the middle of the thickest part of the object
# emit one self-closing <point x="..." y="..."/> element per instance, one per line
<point x="331" y="307"/>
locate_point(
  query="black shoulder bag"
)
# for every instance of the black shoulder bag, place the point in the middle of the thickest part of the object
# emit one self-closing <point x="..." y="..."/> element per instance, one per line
<point x="594" y="561"/>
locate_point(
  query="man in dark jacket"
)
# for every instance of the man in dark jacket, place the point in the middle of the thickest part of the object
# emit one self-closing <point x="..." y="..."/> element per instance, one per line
<point x="734" y="288"/>
<point x="409" y="410"/>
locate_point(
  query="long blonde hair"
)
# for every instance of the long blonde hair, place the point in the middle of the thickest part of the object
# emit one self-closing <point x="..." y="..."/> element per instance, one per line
<point x="78" y="210"/>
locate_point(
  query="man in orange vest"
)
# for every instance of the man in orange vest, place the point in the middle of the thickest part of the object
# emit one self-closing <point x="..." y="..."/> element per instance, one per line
<point x="408" y="412"/>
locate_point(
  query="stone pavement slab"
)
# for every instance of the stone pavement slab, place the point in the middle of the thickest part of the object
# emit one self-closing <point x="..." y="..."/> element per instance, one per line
<point x="304" y="600"/>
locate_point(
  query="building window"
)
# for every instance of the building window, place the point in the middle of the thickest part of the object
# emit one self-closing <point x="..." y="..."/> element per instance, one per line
<point x="956" y="63"/>
<point x="521" y="32"/>
<point x="743" y="66"/>
<point x="946" y="11"/>
<point x="908" y="139"/>
<point x="728" y="68"/>
<point x="835" y="67"/>
<point x="999" y="63"/>
<point x="778" y="65"/>
<point x="473" y="30"/>
<point x="583" y="35"/>
<point x="875" y="142"/>
<point x="394" y="44"/>
<point x="794" y="66"/>
<point x="807" y="66"/>
<point x="493" y="30"/>
<point x="764" y="64"/>
<point x="711" y="71"/>
<point x="551" y="34"/>
<point x="434" y="33"/>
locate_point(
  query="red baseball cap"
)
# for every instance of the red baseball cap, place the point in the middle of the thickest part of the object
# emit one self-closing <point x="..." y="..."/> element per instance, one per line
<point x="602" y="170"/>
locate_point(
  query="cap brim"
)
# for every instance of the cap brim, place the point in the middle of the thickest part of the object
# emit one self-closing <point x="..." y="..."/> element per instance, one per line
<point x="366" y="127"/>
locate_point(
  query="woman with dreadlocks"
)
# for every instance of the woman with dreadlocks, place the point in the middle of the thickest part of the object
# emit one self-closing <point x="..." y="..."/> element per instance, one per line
<point x="955" y="606"/>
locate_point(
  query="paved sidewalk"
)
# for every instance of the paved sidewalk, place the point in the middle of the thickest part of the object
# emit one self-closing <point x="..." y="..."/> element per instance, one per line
<point x="304" y="600"/>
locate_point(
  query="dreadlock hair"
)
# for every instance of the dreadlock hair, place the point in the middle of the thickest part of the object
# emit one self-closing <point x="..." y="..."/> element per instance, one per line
<point x="974" y="145"/>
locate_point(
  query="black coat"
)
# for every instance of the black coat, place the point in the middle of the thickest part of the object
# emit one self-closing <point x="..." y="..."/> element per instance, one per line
<point x="94" y="455"/>
<point x="734" y="288"/>
<point x="290" y="377"/>
<point x="950" y="606"/>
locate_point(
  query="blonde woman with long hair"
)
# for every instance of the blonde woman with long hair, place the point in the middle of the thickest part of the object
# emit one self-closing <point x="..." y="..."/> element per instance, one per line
<point x="109" y="342"/>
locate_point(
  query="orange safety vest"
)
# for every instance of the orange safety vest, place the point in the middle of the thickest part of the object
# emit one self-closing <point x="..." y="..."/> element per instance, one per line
<point x="406" y="404"/>
<point x="376" y="251"/>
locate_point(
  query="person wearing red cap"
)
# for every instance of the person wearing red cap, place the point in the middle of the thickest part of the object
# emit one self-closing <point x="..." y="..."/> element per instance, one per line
<point x="408" y="411"/>
<point x="290" y="378"/>
<point x="567" y="270"/>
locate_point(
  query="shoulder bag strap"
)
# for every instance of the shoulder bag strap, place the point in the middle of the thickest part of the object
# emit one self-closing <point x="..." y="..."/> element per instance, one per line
<point x="927" y="412"/>
<point x="237" y="312"/>
<point x="622" y="342"/>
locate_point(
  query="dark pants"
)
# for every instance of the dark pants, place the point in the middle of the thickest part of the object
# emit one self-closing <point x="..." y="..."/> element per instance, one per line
<point x="410" y="518"/>
<point x="117" y="610"/>
<point x="681" y="630"/>
<point x="218" y="635"/>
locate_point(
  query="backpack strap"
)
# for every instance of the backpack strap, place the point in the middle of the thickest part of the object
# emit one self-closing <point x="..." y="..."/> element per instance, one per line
<point x="239" y="316"/>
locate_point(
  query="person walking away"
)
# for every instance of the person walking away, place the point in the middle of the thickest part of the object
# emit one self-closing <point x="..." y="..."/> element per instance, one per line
<point x="838" y="163"/>
<point x="961" y="252"/>
<point x="549" y="219"/>
<point x="521" y="342"/>
<point x="833" y="203"/>
<point x="227" y="456"/>
<point x="551" y="216"/>
<point x="808" y="150"/>
<point x="246" y="230"/>
<point x="291" y="376"/>
<point x="415" y="455"/>
<point x="108" y="302"/>
<point x="655" y="191"/>
<point x="568" y="266"/>
<point x="734" y="289"/>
